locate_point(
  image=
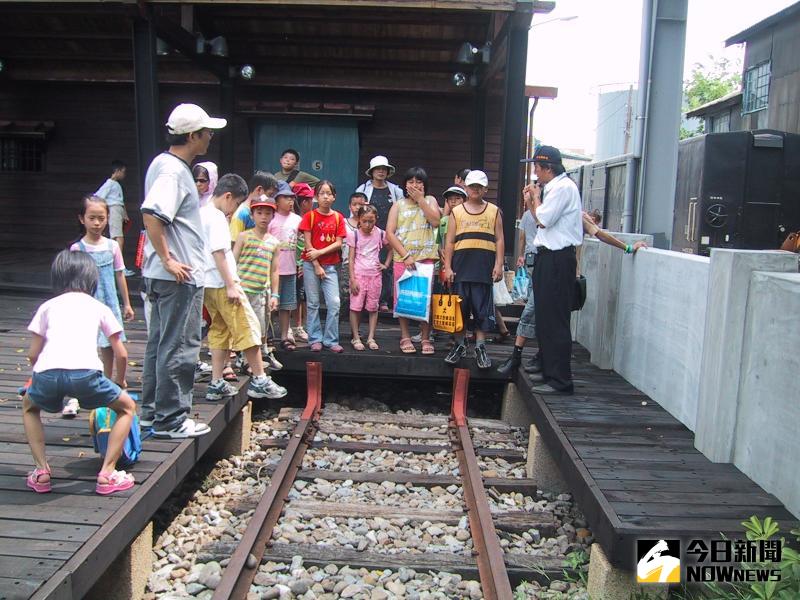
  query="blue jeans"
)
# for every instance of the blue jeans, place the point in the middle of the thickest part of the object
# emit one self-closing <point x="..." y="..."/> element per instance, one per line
<point x="173" y="344"/>
<point x="330" y="290"/>
<point x="527" y="321"/>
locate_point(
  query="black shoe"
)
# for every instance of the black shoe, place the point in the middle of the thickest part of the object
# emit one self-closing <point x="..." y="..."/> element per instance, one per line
<point x="483" y="360"/>
<point x="534" y="365"/>
<point x="456" y="354"/>
<point x="536" y="378"/>
<point x="511" y="364"/>
<point x="547" y="390"/>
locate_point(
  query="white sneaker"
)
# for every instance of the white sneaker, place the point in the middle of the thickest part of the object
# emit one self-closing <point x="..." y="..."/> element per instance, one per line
<point x="264" y="387"/>
<point x="71" y="408"/>
<point x="272" y="363"/>
<point x="416" y="338"/>
<point x="219" y="389"/>
<point x="300" y="333"/>
<point x="186" y="429"/>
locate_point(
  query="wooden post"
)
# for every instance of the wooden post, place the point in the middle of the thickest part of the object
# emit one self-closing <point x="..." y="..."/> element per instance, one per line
<point x="145" y="84"/>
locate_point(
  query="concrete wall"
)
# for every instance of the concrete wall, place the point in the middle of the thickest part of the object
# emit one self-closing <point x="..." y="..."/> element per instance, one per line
<point x="713" y="341"/>
<point x="766" y="443"/>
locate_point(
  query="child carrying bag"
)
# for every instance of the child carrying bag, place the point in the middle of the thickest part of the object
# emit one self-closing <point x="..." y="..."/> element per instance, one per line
<point x="447" y="313"/>
<point x="101" y="420"/>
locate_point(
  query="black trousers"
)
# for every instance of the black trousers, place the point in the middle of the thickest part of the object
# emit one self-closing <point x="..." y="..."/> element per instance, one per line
<point x="553" y="291"/>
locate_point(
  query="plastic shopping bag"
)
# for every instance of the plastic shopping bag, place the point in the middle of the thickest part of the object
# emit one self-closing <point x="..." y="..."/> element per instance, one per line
<point x="501" y="295"/>
<point x="521" y="283"/>
<point x="414" y="293"/>
<point x="447" y="313"/>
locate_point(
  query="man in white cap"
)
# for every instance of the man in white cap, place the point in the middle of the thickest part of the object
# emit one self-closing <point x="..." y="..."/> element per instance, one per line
<point x="382" y="193"/>
<point x="174" y="260"/>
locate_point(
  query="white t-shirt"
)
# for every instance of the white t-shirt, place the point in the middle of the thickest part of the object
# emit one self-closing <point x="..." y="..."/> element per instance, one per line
<point x="69" y="323"/>
<point x="284" y="227"/>
<point x="217" y="236"/>
<point x="171" y="196"/>
<point x="111" y="192"/>
<point x="527" y="224"/>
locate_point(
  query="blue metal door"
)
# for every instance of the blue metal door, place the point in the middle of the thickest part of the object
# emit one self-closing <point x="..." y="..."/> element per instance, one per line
<point x="328" y="150"/>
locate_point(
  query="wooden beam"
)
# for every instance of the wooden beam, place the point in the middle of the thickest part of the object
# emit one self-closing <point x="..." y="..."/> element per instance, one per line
<point x="145" y="93"/>
<point x="461" y="5"/>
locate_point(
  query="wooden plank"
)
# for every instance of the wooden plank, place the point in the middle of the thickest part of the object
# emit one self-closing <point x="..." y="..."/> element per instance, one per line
<point x="80" y="486"/>
<point x="18" y="588"/>
<point x="657" y="510"/>
<point x="13" y="567"/>
<point x="466" y="5"/>
<point x="520" y="566"/>
<point x="394" y="419"/>
<point x="644" y="495"/>
<point x="57" y="549"/>
<point x="514" y="521"/>
<point x="507" y="454"/>
<point x="31" y="530"/>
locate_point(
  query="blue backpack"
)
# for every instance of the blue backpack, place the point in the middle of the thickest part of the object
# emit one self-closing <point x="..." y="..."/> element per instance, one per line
<point x="100" y="422"/>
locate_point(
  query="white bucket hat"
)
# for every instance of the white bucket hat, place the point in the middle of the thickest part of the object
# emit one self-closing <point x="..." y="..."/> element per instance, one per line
<point x="379" y="161"/>
<point x="186" y="118"/>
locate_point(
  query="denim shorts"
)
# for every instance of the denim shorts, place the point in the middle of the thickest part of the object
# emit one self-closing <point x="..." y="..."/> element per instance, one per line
<point x="90" y="387"/>
<point x="288" y="299"/>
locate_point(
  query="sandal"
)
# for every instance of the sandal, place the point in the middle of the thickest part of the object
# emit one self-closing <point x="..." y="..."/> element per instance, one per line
<point x="427" y="347"/>
<point x="372" y="344"/>
<point x="406" y="346"/>
<point x="116" y="481"/>
<point x="316" y="347"/>
<point x="35" y="482"/>
<point x="357" y="345"/>
<point x="228" y="374"/>
<point x="288" y="345"/>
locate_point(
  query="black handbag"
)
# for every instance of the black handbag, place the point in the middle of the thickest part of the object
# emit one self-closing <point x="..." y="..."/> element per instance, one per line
<point x="579" y="299"/>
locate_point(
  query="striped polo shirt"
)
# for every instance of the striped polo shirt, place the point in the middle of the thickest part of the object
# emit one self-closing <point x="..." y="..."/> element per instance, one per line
<point x="255" y="262"/>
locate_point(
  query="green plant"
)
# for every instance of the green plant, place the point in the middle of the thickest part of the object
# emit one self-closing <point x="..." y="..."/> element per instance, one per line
<point x="787" y="588"/>
<point x="575" y="561"/>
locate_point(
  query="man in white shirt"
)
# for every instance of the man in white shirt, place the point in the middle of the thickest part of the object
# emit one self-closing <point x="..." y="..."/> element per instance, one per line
<point x="173" y="271"/>
<point x="560" y="232"/>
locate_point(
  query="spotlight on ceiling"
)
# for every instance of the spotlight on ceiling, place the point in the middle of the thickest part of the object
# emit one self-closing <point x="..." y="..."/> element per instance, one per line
<point x="218" y="46"/>
<point x="247" y="72"/>
<point x="459" y="79"/>
<point x="466" y="54"/>
<point x="162" y="48"/>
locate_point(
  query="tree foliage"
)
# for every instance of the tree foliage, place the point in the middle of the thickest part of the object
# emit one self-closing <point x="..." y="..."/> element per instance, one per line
<point x="710" y="81"/>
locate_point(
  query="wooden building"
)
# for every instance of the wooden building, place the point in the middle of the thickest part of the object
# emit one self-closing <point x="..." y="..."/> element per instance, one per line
<point x="87" y="82"/>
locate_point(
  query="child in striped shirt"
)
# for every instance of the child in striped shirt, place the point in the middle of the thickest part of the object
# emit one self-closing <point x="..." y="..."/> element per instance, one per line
<point x="255" y="254"/>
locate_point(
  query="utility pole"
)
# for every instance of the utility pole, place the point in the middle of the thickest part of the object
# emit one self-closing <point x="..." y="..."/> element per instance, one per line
<point x="628" y="117"/>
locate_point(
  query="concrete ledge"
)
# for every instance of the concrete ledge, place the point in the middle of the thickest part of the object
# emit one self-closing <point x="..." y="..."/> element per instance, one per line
<point x="607" y="582"/>
<point x="236" y="437"/>
<point x="127" y="576"/>
<point x="541" y="467"/>
<point x="514" y="411"/>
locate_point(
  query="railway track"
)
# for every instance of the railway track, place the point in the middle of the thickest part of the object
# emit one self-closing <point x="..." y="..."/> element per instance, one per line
<point x="467" y="530"/>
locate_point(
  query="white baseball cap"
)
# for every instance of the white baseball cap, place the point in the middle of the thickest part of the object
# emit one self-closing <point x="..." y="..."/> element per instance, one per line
<point x="478" y="177"/>
<point x="379" y="161"/>
<point x="186" y="118"/>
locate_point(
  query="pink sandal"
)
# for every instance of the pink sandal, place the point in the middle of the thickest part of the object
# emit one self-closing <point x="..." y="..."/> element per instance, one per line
<point x="116" y="481"/>
<point x="34" y="481"/>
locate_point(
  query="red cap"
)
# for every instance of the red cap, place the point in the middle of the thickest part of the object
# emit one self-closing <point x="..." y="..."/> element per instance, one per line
<point x="263" y="200"/>
<point x="302" y="190"/>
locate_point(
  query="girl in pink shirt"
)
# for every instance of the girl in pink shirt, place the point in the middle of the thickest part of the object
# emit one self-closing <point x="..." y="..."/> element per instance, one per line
<point x="365" y="268"/>
<point x="65" y="363"/>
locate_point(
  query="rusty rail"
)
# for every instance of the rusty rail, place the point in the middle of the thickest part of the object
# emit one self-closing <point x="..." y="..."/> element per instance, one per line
<point x="489" y="553"/>
<point x="243" y="566"/>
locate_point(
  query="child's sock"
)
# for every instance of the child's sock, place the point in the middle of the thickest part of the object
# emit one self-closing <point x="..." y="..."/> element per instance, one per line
<point x="260" y="378"/>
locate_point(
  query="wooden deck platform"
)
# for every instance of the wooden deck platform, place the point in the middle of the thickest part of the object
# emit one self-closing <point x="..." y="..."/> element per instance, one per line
<point x="56" y="545"/>
<point x="634" y="470"/>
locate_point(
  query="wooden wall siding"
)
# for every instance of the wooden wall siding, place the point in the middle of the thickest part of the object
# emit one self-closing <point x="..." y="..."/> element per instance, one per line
<point x="96" y="123"/>
<point x="484" y="5"/>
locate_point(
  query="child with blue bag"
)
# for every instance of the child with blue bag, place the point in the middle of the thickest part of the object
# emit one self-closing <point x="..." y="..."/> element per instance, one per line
<point x="65" y="363"/>
<point x="106" y="254"/>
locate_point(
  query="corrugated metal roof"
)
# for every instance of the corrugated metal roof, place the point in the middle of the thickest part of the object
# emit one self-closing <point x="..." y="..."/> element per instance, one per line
<point x="743" y="36"/>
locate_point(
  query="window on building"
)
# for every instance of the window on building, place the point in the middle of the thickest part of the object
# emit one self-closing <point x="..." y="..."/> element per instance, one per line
<point x="21" y="154"/>
<point x="756" y="88"/>
<point x="721" y="123"/>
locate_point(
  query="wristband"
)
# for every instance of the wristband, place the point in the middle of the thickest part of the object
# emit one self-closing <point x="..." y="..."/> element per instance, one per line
<point x="628" y="249"/>
<point x="278" y="296"/>
<point x="406" y="256"/>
